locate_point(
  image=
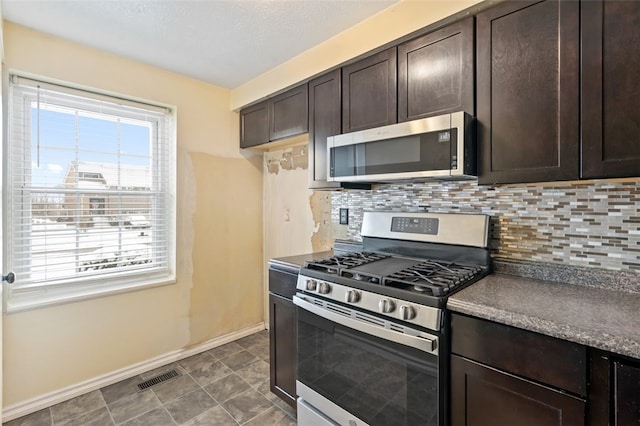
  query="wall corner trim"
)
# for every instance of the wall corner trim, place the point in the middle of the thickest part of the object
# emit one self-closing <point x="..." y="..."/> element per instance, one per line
<point x="47" y="400"/>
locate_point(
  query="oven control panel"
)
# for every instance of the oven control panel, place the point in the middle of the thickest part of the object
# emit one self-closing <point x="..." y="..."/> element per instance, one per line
<point x="424" y="316"/>
<point x="415" y="225"/>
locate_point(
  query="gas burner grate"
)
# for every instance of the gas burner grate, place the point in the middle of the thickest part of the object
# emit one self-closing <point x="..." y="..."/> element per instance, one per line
<point x="436" y="278"/>
<point x="335" y="264"/>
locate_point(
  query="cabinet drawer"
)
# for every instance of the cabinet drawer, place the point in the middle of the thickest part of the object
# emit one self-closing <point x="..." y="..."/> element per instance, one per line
<point x="282" y="283"/>
<point x="541" y="358"/>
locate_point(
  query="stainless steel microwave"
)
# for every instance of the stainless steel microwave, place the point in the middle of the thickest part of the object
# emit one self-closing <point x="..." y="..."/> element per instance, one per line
<point x="434" y="147"/>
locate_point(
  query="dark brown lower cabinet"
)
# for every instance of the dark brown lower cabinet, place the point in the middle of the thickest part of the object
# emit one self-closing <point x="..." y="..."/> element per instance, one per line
<point x="614" y="395"/>
<point x="282" y="335"/>
<point x="627" y="393"/>
<point x="503" y="375"/>
<point x="481" y="395"/>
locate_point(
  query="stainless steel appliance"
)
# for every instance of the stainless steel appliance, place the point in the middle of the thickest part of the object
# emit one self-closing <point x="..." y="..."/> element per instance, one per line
<point x="433" y="147"/>
<point x="373" y="337"/>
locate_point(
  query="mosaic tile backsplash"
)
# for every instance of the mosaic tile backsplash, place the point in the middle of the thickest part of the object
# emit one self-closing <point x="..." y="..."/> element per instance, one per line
<point x="591" y="223"/>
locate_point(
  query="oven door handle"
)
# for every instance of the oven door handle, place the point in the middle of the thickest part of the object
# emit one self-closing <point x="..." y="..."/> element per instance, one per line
<point x="421" y="341"/>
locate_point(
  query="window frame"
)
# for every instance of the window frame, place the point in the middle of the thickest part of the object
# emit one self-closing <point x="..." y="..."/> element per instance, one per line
<point x="18" y="298"/>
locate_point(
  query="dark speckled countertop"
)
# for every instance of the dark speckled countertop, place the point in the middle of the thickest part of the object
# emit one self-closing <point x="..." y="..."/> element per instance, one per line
<point x="601" y="318"/>
<point x="296" y="262"/>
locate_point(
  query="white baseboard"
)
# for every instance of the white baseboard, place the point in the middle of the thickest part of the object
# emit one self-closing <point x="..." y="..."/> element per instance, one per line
<point x="47" y="400"/>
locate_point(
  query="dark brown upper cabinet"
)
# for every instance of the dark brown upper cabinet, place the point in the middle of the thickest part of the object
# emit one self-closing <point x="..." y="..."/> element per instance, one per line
<point x="528" y="80"/>
<point x="324" y="121"/>
<point x="280" y="117"/>
<point x="369" y="92"/>
<point x="288" y="113"/>
<point x="610" y="89"/>
<point x="254" y="125"/>
<point x="436" y="72"/>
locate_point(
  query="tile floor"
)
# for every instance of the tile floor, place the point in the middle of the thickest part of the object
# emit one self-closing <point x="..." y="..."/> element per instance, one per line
<point x="227" y="385"/>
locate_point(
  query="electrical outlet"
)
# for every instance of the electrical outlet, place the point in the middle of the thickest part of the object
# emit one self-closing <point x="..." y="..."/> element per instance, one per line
<point x="344" y="216"/>
<point x="287" y="214"/>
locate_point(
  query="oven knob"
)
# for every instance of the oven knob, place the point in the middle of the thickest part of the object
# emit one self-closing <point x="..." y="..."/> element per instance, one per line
<point x="386" y="305"/>
<point x="407" y="312"/>
<point x="352" y="296"/>
<point x="324" y="288"/>
<point x="312" y="285"/>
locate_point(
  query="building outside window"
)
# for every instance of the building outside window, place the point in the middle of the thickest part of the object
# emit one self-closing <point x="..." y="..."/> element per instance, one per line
<point x="96" y="206"/>
<point x="86" y="171"/>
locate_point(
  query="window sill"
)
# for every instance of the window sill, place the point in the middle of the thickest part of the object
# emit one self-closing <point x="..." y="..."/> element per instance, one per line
<point x="27" y="299"/>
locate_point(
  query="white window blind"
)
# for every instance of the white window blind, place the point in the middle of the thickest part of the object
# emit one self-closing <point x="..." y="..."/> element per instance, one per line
<point x="90" y="193"/>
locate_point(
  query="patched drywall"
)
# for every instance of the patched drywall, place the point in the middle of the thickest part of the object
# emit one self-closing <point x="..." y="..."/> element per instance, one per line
<point x="288" y="220"/>
<point x="297" y="220"/>
<point x="226" y="292"/>
<point x="320" y="203"/>
<point x="287" y="159"/>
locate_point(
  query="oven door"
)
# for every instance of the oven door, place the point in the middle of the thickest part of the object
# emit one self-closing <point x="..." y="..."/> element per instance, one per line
<point x="358" y="369"/>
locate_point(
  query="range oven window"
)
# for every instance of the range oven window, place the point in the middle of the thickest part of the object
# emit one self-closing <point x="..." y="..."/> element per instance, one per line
<point x="415" y="153"/>
<point x="381" y="382"/>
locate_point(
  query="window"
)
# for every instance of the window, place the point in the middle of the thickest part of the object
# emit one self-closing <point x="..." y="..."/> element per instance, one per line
<point x="90" y="194"/>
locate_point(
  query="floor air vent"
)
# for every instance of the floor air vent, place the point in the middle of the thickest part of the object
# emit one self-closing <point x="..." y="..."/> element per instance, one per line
<point x="158" y="379"/>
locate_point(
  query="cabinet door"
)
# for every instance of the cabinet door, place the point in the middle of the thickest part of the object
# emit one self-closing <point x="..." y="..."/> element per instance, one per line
<point x="369" y="92"/>
<point x="610" y="89"/>
<point x="254" y="125"/>
<point x="541" y="358"/>
<point x="288" y="113"/>
<point x="324" y="121"/>
<point x="435" y="73"/>
<point x="627" y="391"/>
<point x="282" y="334"/>
<point x="600" y="385"/>
<point x="528" y="92"/>
<point x="482" y="395"/>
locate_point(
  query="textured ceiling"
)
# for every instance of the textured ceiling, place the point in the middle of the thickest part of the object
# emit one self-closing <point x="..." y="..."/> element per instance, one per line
<point x="224" y="42"/>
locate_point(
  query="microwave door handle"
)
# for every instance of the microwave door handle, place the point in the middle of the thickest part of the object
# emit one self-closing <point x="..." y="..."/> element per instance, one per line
<point x="359" y="159"/>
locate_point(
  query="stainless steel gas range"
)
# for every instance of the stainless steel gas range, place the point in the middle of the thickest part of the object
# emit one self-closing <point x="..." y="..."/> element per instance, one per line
<point x="373" y="334"/>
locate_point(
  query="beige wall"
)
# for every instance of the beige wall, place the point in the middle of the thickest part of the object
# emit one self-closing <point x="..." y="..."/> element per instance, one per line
<point x="219" y="234"/>
<point x="390" y="24"/>
<point x="220" y="210"/>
